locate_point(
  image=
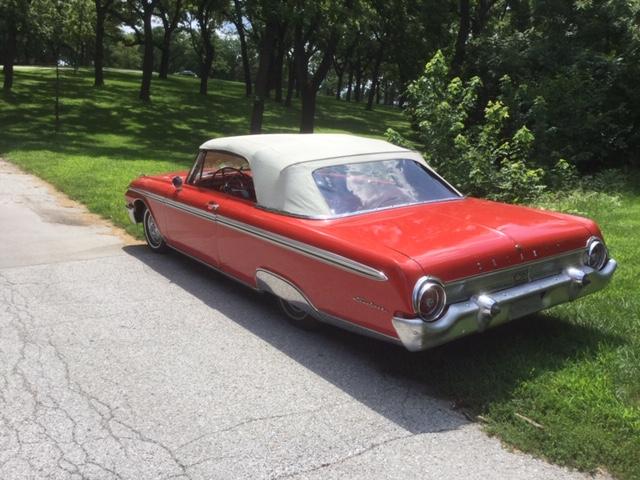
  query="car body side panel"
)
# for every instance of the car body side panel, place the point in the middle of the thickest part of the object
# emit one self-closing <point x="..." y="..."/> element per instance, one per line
<point x="365" y="301"/>
<point x="194" y="231"/>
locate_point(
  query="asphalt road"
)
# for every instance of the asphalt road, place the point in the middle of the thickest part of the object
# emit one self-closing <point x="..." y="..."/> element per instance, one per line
<point x="116" y="363"/>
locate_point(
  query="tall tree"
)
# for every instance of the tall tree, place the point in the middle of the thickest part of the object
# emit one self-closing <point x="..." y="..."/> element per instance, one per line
<point x="341" y="60"/>
<point x="170" y="12"/>
<point x="136" y="14"/>
<point x="375" y="74"/>
<point x="316" y="35"/>
<point x="464" y="28"/>
<point x="13" y="15"/>
<point x="102" y="10"/>
<point x="277" y="65"/>
<point x="146" y="13"/>
<point x="267" y="44"/>
<point x="237" y="18"/>
<point x="266" y="17"/>
<point x="291" y="79"/>
<point x="207" y="15"/>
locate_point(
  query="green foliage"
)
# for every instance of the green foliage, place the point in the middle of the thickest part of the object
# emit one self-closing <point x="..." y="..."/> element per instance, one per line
<point x="480" y="159"/>
<point x="573" y="69"/>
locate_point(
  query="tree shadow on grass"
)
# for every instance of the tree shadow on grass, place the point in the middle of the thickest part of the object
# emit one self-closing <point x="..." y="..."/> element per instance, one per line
<point x="414" y="390"/>
<point x="171" y="126"/>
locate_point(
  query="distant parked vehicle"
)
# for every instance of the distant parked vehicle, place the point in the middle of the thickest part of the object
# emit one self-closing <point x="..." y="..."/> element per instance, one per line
<point x="365" y="235"/>
<point x="186" y="73"/>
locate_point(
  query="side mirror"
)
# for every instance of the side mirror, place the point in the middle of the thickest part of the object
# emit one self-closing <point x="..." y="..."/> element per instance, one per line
<point x="177" y="182"/>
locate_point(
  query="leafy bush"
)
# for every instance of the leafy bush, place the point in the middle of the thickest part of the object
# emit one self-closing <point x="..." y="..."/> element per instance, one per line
<point x="481" y="158"/>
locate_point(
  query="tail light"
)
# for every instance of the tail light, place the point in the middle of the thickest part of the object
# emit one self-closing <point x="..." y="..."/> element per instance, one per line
<point x="429" y="299"/>
<point x="596" y="255"/>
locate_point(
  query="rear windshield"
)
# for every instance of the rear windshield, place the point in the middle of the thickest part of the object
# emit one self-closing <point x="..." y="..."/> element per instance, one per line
<point x="360" y="187"/>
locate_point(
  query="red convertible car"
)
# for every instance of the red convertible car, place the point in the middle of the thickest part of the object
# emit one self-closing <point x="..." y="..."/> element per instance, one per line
<point x="363" y="234"/>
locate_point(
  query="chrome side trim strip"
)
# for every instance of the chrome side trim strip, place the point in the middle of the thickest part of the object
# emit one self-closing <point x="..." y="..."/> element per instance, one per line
<point x="293" y="245"/>
<point x="177" y="205"/>
<point x="273" y="283"/>
<point x="305" y="249"/>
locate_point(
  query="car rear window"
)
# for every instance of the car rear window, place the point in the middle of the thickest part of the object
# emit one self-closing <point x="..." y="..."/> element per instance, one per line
<point x="364" y="186"/>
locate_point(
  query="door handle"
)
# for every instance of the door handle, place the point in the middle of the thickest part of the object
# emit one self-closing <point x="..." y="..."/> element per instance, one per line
<point x="212" y="206"/>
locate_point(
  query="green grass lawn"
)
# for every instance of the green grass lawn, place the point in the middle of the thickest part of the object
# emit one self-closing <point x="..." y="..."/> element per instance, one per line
<point x="574" y="370"/>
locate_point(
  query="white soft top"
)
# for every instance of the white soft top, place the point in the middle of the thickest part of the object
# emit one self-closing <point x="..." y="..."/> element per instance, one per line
<point x="282" y="164"/>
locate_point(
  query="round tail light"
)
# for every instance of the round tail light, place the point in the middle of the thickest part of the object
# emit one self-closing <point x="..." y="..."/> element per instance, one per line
<point x="430" y="299"/>
<point x="596" y="255"/>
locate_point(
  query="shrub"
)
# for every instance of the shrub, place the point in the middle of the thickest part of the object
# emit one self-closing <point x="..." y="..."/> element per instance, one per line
<point x="480" y="159"/>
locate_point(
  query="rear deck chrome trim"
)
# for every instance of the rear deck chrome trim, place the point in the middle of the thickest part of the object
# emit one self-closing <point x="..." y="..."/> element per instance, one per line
<point x="311" y="251"/>
<point x="525" y="272"/>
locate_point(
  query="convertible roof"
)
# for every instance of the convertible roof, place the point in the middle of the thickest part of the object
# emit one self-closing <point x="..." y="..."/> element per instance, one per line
<point x="282" y="165"/>
<point x="283" y="149"/>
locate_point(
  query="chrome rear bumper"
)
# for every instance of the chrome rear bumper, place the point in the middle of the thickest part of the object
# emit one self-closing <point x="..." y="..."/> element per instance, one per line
<point x="489" y="310"/>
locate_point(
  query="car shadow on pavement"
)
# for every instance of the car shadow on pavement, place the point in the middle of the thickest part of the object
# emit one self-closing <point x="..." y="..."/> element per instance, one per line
<point x="418" y="391"/>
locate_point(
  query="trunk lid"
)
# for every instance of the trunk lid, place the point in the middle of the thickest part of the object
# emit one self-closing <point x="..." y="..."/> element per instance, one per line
<point x="461" y="238"/>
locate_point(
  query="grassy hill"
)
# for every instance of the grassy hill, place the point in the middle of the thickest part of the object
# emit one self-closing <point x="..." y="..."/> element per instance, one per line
<point x="574" y="371"/>
<point x="108" y="137"/>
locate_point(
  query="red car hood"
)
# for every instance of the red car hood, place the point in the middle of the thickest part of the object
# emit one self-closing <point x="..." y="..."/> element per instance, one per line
<point x="465" y="237"/>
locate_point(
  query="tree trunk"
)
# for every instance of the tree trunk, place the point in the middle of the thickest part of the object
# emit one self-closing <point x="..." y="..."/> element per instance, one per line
<point x="165" y="52"/>
<point x="309" y="84"/>
<point x="374" y="77"/>
<point x="10" y="55"/>
<point x="98" y="58"/>
<point x="278" y="66"/>
<point x="350" y="86"/>
<point x="243" y="49"/>
<point x="339" y="85"/>
<point x="147" y="60"/>
<point x="262" y="77"/>
<point x="358" y="87"/>
<point x="170" y="19"/>
<point x="461" y="39"/>
<point x="57" y="90"/>
<point x="307" y="118"/>
<point x="290" y="81"/>
<point x="205" y="70"/>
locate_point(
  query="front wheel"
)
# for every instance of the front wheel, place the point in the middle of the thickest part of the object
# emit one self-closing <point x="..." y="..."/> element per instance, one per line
<point x="297" y="316"/>
<point x="152" y="233"/>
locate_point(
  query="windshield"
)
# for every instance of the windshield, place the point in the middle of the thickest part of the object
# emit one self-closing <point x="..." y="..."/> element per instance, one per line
<point x="359" y="187"/>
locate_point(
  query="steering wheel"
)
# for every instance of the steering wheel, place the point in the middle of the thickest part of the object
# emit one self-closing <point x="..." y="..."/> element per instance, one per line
<point x="235" y="182"/>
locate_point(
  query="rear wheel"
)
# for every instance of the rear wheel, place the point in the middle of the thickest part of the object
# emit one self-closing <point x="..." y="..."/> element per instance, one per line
<point x="152" y="233"/>
<point x="298" y="316"/>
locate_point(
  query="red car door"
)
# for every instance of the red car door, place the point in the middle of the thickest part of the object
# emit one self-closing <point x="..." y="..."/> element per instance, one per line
<point x="191" y="221"/>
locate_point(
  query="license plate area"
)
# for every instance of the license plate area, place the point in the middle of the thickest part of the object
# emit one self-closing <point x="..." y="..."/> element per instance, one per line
<point x="526" y="306"/>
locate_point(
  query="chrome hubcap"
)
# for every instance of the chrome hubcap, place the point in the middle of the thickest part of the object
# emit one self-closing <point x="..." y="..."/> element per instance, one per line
<point x="293" y="311"/>
<point x="154" y="234"/>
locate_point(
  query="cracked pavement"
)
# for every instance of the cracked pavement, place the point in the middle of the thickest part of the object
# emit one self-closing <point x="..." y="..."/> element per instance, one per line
<point x="116" y="363"/>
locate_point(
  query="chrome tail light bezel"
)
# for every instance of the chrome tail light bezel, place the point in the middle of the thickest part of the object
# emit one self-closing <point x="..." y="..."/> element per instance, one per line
<point x="596" y="249"/>
<point x="422" y="287"/>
